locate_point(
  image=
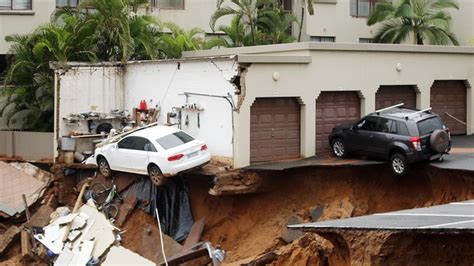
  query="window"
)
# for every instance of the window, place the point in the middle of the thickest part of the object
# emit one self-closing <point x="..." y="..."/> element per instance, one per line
<point x="15" y="5"/>
<point x="387" y="126"/>
<point x="402" y="129"/>
<point x="168" y="4"/>
<point x="67" y="3"/>
<point x="362" y="8"/>
<point x="174" y="140"/>
<point x="429" y="125"/>
<point x="287" y="5"/>
<point x="323" y="39"/>
<point x="126" y="143"/>
<point x="136" y="143"/>
<point x="366" y="40"/>
<point x="368" y="124"/>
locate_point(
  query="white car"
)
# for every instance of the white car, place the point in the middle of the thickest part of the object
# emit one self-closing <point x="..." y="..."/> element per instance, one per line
<point x="157" y="151"/>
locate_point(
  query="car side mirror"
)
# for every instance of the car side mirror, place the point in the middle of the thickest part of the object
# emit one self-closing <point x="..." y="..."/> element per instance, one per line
<point x="353" y="128"/>
<point x="115" y="146"/>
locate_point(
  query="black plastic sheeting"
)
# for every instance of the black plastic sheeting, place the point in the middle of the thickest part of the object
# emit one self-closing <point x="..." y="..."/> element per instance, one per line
<point x="172" y="201"/>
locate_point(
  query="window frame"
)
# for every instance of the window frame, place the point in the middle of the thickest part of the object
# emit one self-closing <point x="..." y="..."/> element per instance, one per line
<point x="372" y="4"/>
<point x="154" y="3"/>
<point x="5" y="8"/>
<point x="68" y="5"/>
<point x="364" y="119"/>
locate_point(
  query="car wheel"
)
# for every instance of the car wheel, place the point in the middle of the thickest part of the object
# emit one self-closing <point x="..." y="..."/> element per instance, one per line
<point x="339" y="148"/>
<point x="104" y="167"/>
<point x="399" y="164"/>
<point x="156" y="176"/>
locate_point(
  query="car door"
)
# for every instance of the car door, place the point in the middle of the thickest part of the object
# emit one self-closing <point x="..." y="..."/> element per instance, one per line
<point x="119" y="154"/>
<point x="385" y="135"/>
<point x="363" y="134"/>
<point x="137" y="156"/>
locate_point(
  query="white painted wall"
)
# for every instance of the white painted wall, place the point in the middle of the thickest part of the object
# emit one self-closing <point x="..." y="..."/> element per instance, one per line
<point x="334" y="19"/>
<point x="23" y="22"/>
<point x="164" y="83"/>
<point x="85" y="89"/>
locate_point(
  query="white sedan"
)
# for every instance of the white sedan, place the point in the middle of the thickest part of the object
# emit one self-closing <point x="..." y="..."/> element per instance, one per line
<point x="157" y="151"/>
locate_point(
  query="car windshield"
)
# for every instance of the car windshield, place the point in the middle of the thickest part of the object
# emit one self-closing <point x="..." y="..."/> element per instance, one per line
<point x="429" y="125"/>
<point x="174" y="140"/>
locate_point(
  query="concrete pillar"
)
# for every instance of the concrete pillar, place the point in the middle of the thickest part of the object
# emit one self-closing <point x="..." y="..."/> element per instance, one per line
<point x="423" y="100"/>
<point x="308" y="126"/>
<point x="470" y="107"/>
<point x="242" y="134"/>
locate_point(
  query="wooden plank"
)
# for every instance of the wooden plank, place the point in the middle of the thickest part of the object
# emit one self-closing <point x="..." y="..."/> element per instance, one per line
<point x="195" y="234"/>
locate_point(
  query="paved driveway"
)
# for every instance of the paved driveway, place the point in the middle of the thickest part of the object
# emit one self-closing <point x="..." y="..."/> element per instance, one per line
<point x="461" y="156"/>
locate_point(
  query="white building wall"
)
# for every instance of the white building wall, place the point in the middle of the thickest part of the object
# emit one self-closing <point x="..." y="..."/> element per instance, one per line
<point x="334" y="19"/>
<point x="164" y="83"/>
<point x="86" y="89"/>
<point x="23" y="22"/>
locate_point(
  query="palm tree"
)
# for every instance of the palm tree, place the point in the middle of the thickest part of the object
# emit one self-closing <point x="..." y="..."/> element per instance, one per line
<point x="274" y="24"/>
<point x="310" y="7"/>
<point x="235" y="35"/>
<point x="245" y="10"/>
<point x="174" y="43"/>
<point x="426" y="20"/>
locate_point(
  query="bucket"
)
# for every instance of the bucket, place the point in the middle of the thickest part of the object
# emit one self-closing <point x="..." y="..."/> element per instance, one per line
<point x="68" y="144"/>
<point x="69" y="157"/>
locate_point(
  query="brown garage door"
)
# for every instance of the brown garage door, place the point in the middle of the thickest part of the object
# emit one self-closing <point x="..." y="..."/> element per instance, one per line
<point x="391" y="95"/>
<point x="274" y="129"/>
<point x="449" y="96"/>
<point x="332" y="109"/>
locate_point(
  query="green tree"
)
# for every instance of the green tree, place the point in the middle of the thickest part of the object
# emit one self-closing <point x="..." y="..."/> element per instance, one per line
<point x="174" y="42"/>
<point x="427" y="21"/>
<point x="247" y="11"/>
<point x="275" y="24"/>
<point x="234" y="35"/>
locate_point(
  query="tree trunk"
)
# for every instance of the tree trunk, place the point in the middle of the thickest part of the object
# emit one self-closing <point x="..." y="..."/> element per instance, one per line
<point x="301" y="24"/>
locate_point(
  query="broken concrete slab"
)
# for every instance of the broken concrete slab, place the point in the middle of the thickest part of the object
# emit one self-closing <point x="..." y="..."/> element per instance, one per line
<point x="16" y="182"/>
<point x="34" y="171"/>
<point x="122" y="256"/>
<point x="101" y="230"/>
<point x="83" y="255"/>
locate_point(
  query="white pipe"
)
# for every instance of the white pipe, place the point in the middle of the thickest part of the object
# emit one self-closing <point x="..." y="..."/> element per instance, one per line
<point x="161" y="237"/>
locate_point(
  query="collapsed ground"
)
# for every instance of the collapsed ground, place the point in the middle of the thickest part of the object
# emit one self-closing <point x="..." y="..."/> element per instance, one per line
<point x="251" y="227"/>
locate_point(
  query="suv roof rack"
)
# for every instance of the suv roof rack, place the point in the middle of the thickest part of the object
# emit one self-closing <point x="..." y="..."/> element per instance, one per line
<point x="427" y="110"/>
<point x="388" y="108"/>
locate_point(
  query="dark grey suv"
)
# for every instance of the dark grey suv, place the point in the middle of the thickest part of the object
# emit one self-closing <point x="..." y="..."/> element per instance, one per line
<point x="399" y="135"/>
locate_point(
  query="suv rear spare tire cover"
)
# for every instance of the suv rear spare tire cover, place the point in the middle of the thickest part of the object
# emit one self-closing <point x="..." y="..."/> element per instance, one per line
<point x="439" y="141"/>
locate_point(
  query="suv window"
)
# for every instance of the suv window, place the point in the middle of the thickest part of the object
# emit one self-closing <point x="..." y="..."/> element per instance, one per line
<point x="387" y="126"/>
<point x="402" y="129"/>
<point x="368" y="124"/>
<point x="174" y="140"/>
<point x="429" y="125"/>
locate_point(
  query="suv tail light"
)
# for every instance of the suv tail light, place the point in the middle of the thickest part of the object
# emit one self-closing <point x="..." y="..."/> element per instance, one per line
<point x="416" y="141"/>
<point x="175" y="157"/>
<point x="204" y="147"/>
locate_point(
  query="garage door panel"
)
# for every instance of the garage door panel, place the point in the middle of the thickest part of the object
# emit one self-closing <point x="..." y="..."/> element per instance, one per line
<point x="450" y="96"/>
<point x="334" y="108"/>
<point x="391" y="95"/>
<point x="276" y="133"/>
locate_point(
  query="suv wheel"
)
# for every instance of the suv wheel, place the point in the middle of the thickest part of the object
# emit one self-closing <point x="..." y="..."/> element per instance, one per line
<point x="399" y="164"/>
<point x="104" y="167"/>
<point x="156" y="176"/>
<point x="338" y="148"/>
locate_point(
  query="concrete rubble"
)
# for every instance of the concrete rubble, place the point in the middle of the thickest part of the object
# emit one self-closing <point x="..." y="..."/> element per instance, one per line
<point x="17" y="179"/>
